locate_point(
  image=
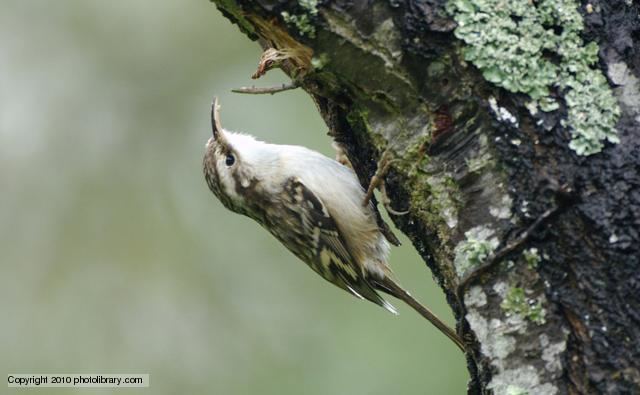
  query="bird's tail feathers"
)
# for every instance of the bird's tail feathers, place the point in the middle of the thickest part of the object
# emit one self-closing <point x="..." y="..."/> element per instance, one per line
<point x="389" y="286"/>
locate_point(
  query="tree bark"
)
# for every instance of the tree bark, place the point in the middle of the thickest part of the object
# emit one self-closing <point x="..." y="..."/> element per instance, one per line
<point x="490" y="167"/>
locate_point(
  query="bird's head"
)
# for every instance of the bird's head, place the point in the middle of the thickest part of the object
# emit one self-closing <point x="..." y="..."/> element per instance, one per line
<point x="234" y="164"/>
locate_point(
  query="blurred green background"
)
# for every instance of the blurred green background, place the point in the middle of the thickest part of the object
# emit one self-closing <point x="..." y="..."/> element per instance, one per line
<point x="117" y="259"/>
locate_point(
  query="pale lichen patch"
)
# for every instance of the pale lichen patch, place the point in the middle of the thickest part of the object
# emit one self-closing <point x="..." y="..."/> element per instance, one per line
<point x="503" y="209"/>
<point x="480" y="242"/>
<point x="475" y="297"/>
<point x="478" y="324"/>
<point x="303" y="21"/>
<point x="526" y="378"/>
<point x="450" y="217"/>
<point x="495" y="343"/>
<point x="501" y="289"/>
<point x="628" y="90"/>
<point x="442" y="197"/>
<point x="515" y="390"/>
<point x="505" y="342"/>
<point x="510" y="42"/>
<point x="551" y="353"/>
<point x="501" y="345"/>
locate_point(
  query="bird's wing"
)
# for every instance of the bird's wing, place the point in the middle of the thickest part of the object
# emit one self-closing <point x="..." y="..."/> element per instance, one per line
<point x="328" y="255"/>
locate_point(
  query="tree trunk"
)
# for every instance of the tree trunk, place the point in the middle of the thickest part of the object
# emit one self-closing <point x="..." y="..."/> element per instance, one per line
<point x="509" y="128"/>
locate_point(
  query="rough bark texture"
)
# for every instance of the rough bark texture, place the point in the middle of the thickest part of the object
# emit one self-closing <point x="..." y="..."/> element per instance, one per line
<point x="476" y="167"/>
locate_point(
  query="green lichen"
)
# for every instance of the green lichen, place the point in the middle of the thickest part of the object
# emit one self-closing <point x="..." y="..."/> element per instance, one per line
<point x="441" y="197"/>
<point x="358" y="118"/>
<point x="303" y="21"/>
<point x="515" y="390"/>
<point x="479" y="244"/>
<point x="535" y="48"/>
<point x="531" y="257"/>
<point x="416" y="156"/>
<point x="311" y="6"/>
<point x="435" y="196"/>
<point x="319" y="61"/>
<point x="516" y="302"/>
<point x="479" y="162"/>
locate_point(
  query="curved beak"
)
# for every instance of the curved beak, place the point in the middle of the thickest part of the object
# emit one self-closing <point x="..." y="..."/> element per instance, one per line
<point x="216" y="126"/>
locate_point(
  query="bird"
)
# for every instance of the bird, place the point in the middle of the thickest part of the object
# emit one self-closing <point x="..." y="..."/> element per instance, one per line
<point x="313" y="205"/>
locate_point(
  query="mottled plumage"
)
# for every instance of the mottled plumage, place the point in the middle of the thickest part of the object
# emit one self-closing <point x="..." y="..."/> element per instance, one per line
<point x="313" y="205"/>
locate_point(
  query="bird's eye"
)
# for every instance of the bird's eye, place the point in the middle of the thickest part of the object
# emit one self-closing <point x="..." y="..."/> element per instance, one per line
<point x="230" y="160"/>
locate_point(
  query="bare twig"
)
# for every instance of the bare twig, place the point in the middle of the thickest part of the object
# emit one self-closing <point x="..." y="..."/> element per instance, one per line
<point x="270" y="90"/>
